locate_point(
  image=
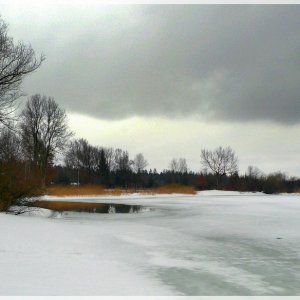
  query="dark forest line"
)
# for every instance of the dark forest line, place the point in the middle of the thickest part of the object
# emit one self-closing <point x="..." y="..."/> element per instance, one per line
<point x="272" y="183"/>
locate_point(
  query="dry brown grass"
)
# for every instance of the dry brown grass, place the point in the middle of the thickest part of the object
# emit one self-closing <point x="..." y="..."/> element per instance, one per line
<point x="70" y="190"/>
<point x="174" y="189"/>
<point x="98" y="190"/>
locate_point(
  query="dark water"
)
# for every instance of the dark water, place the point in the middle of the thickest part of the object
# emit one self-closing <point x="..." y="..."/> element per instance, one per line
<point x="113" y="208"/>
<point x="89" y="207"/>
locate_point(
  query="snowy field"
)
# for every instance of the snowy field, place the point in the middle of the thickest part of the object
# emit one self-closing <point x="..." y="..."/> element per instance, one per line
<point x="213" y="243"/>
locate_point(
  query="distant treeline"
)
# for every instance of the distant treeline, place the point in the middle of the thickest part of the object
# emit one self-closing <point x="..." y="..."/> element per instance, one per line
<point x="88" y="164"/>
<point x="271" y="183"/>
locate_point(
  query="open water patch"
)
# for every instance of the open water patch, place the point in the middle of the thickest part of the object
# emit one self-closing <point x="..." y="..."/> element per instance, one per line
<point x="89" y="207"/>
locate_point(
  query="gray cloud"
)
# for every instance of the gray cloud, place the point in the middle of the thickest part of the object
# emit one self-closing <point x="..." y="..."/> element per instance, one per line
<point x="232" y="62"/>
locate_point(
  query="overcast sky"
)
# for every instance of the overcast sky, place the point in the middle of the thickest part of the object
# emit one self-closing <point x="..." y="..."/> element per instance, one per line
<point x="170" y="80"/>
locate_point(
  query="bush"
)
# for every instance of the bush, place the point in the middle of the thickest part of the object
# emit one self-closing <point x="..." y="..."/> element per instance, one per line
<point x="14" y="187"/>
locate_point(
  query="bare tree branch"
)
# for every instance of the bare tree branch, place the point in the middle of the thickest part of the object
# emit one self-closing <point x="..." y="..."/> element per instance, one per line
<point x="221" y="161"/>
<point x="44" y="131"/>
<point x="139" y="163"/>
<point x="16" y="61"/>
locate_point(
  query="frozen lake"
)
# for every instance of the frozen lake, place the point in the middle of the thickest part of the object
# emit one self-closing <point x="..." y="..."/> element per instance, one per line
<point x="213" y="243"/>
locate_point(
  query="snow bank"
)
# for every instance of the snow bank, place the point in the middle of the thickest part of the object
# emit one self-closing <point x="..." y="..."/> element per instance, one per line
<point x="167" y="197"/>
<point x="226" y="193"/>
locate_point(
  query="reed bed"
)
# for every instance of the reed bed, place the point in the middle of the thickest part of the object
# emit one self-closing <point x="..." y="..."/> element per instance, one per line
<point x="98" y="190"/>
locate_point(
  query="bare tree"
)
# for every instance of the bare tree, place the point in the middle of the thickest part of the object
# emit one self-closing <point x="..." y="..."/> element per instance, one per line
<point x="16" y="61"/>
<point x="253" y="172"/>
<point x="173" y="166"/>
<point x="83" y="157"/>
<point x="109" y="154"/>
<point x="44" y="131"/>
<point x="102" y="166"/>
<point x="10" y="145"/>
<point x="221" y="161"/>
<point x="122" y="167"/>
<point x="121" y="161"/>
<point x="254" y="178"/>
<point x="15" y="187"/>
<point x="178" y="165"/>
<point x="72" y="158"/>
<point x="139" y="163"/>
<point x="182" y="165"/>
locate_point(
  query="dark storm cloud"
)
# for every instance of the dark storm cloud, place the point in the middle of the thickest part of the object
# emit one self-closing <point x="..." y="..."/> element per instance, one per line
<point x="238" y="62"/>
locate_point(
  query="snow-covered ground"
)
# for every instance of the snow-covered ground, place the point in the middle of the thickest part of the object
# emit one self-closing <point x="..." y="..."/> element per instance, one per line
<point x="213" y="243"/>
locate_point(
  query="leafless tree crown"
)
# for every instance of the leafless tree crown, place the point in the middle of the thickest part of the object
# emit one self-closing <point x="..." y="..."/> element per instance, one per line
<point x="220" y="161"/>
<point x="139" y="163"/>
<point x="16" y="61"/>
<point x="253" y="172"/>
<point x="10" y="145"/>
<point x="44" y="130"/>
<point x="80" y="154"/>
<point x="179" y="165"/>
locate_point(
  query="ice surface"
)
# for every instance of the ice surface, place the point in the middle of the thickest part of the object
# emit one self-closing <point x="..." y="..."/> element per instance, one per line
<point x="212" y="243"/>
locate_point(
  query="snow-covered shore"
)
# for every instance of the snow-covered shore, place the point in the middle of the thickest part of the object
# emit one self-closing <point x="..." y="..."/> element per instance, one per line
<point x="212" y="243"/>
